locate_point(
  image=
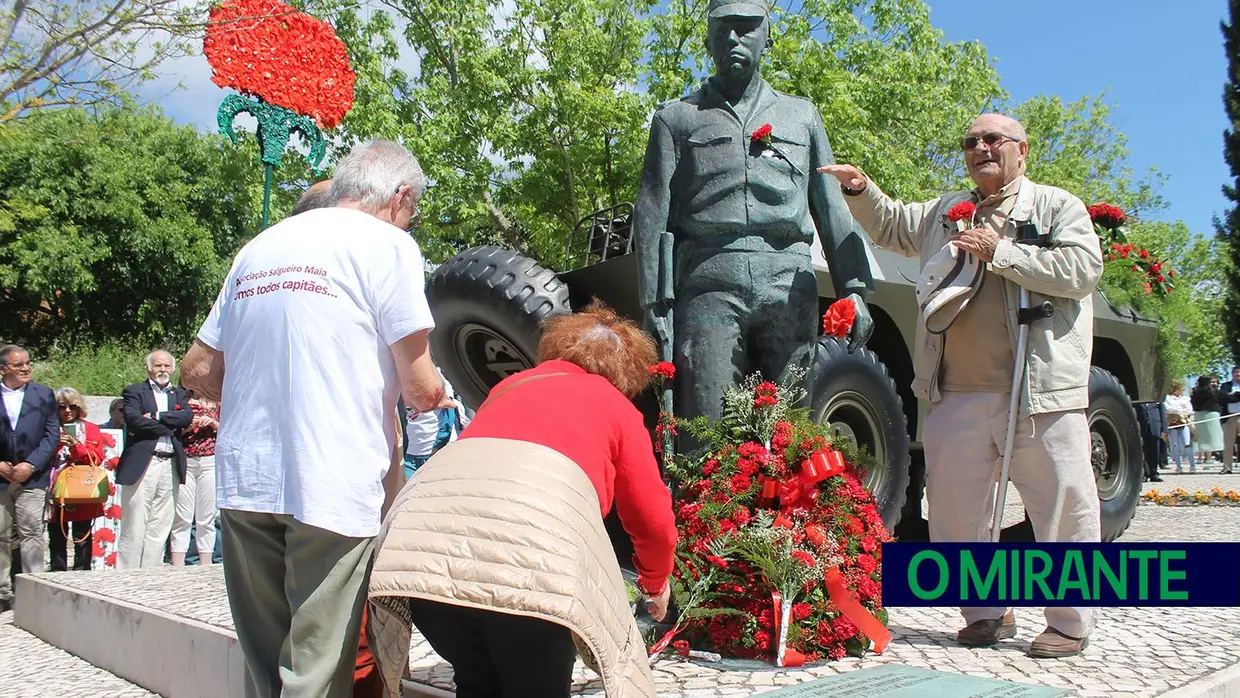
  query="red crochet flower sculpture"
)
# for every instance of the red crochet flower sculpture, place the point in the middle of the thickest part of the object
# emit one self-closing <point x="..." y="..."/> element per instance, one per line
<point x="269" y="50"/>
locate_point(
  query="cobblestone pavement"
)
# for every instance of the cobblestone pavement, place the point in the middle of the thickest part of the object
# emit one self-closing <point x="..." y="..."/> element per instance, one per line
<point x="1133" y="652"/>
<point x="31" y="668"/>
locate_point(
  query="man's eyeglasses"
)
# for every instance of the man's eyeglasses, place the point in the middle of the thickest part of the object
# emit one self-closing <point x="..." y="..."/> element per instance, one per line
<point x="990" y="139"/>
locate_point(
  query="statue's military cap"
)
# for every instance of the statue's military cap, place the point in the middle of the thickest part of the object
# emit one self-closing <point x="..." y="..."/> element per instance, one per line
<point x="738" y="8"/>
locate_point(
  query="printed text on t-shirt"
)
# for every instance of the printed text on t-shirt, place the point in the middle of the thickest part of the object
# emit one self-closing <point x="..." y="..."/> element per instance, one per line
<point x="310" y="286"/>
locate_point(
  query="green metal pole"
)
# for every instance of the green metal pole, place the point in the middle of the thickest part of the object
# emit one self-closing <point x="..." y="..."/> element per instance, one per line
<point x="267" y="195"/>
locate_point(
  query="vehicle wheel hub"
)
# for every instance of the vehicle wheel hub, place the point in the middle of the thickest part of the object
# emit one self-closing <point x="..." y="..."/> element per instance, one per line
<point x="1107" y="454"/>
<point x="488" y="357"/>
<point x="851" y="420"/>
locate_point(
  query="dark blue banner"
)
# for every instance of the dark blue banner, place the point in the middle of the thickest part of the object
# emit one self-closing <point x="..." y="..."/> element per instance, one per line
<point x="1061" y="574"/>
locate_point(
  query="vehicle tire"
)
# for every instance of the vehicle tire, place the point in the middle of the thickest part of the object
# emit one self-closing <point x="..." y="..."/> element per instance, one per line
<point x="1115" y="452"/>
<point x="855" y="395"/>
<point x="489" y="304"/>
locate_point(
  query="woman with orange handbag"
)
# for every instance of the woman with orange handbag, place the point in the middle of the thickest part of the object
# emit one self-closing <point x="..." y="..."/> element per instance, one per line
<point x="82" y="443"/>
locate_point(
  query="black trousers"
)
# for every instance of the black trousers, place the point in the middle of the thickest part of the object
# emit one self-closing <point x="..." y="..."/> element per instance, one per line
<point x="58" y="545"/>
<point x="498" y="655"/>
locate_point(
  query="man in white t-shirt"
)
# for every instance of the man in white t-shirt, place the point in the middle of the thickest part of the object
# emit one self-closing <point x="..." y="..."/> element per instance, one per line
<point x="321" y="322"/>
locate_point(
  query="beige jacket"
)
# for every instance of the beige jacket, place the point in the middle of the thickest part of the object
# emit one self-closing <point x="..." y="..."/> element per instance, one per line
<point x="529" y="519"/>
<point x="1065" y="274"/>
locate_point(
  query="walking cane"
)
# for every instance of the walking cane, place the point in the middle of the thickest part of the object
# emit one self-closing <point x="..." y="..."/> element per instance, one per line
<point x="1026" y="233"/>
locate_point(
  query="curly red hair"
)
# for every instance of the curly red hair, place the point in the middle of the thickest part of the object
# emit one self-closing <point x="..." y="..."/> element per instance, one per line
<point x="603" y="343"/>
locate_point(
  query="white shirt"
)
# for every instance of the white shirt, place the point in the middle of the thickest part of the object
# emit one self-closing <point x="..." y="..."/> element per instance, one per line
<point x="305" y="321"/>
<point x="13" y="399"/>
<point x="422" y="428"/>
<point x="164" y="445"/>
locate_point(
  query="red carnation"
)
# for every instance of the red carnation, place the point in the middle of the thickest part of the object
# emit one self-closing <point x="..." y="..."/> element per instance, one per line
<point x="782" y="438"/>
<point x="839" y="318"/>
<point x="96" y="548"/>
<point x="1144" y="254"/>
<point x="664" y="369"/>
<point x="804" y="558"/>
<point x="741" y="483"/>
<point x="105" y="535"/>
<point x="800" y="611"/>
<point x="963" y="211"/>
<point x="747" y="466"/>
<point x="113" y="512"/>
<point x="710" y="468"/>
<point x="110" y="560"/>
<point x="681" y="647"/>
<point x="762" y="134"/>
<point x="741" y="516"/>
<point x="717" y="561"/>
<point x="1107" y="216"/>
<point x="762" y="640"/>
<point x="766" y="388"/>
<point x="267" y="49"/>
<point x="867" y="563"/>
<point x="764" y="401"/>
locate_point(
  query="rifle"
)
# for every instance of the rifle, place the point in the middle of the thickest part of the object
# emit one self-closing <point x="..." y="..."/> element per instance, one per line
<point x="663" y="327"/>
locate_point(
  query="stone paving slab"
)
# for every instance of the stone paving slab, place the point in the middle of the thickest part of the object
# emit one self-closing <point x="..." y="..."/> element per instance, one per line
<point x="1134" y="652"/>
<point x="31" y="668"/>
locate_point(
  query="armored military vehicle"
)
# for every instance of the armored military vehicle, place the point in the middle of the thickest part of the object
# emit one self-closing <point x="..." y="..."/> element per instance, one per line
<point x="488" y="304"/>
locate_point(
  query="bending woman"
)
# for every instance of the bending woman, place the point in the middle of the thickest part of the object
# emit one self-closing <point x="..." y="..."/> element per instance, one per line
<point x="496" y="549"/>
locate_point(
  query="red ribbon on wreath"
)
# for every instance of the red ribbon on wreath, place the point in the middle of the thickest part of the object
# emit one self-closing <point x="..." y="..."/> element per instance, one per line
<point x="852" y="609"/>
<point x="801" y="489"/>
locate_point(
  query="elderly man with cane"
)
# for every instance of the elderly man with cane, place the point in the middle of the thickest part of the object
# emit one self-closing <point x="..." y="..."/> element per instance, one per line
<point x="1002" y="354"/>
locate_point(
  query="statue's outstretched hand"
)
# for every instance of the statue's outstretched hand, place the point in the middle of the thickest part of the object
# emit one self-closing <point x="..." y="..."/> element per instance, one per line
<point x="849" y="176"/>
<point x="862" y="327"/>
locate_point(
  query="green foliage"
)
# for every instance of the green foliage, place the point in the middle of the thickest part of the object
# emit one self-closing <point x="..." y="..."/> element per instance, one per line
<point x="1229" y="227"/>
<point x="120" y="225"/>
<point x="94" y="370"/>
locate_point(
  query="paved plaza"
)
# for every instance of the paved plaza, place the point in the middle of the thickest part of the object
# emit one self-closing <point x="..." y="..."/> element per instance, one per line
<point x="1142" y="652"/>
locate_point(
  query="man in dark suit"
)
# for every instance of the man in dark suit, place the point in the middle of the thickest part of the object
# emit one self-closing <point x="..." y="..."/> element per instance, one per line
<point x="29" y="436"/>
<point x="152" y="465"/>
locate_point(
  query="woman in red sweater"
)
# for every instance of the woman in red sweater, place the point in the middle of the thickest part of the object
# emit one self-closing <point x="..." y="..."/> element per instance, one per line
<point x="491" y="535"/>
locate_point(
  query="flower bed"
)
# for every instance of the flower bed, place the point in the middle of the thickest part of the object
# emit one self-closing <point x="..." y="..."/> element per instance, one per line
<point x="1180" y="497"/>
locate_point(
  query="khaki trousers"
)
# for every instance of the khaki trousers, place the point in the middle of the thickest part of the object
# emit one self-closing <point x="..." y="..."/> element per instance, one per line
<point x="1050" y="468"/>
<point x="21" y="515"/>
<point x="1231" y="426"/>
<point x="146" y="516"/>
<point x="296" y="593"/>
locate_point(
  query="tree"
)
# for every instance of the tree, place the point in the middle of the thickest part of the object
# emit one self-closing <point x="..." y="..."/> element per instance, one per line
<point x="1229" y="228"/>
<point x="529" y="116"/>
<point x="120" y="225"/>
<point x="71" y="53"/>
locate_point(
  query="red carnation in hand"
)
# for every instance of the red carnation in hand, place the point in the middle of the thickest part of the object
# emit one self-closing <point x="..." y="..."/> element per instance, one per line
<point x="839" y="318"/>
<point x="1107" y="216"/>
<point x="664" y="369"/>
<point x="761" y="135"/>
<point x="962" y="212"/>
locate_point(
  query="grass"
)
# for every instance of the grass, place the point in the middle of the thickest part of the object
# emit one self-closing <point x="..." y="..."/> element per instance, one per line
<point x="102" y="370"/>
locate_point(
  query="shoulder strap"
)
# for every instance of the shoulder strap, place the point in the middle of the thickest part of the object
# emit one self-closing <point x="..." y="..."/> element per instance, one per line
<point x="523" y="381"/>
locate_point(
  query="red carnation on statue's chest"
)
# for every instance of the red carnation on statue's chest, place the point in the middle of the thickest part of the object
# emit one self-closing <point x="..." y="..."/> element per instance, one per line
<point x="762" y="134"/>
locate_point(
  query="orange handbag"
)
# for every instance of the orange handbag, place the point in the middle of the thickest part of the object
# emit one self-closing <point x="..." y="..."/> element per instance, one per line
<point x="80" y="485"/>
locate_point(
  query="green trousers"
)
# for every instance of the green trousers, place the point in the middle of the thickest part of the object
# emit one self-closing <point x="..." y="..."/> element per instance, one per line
<point x="738" y="312"/>
<point x="296" y="593"/>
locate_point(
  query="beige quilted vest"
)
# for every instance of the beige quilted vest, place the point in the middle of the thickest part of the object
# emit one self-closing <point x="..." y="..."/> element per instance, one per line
<point x="455" y="531"/>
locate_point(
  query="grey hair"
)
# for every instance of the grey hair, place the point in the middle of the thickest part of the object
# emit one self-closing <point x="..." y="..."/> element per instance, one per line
<point x="8" y="350"/>
<point x="150" y="358"/>
<point x="372" y="172"/>
<point x="74" y="398"/>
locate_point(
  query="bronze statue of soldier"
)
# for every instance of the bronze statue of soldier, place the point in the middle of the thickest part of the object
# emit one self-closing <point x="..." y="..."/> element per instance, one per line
<point x="729" y="200"/>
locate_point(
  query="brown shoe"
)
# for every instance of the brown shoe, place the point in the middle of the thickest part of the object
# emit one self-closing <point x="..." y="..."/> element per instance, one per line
<point x="1052" y="644"/>
<point x="984" y="633"/>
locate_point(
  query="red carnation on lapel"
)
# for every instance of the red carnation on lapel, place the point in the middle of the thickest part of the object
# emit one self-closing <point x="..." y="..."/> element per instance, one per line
<point x="762" y="134"/>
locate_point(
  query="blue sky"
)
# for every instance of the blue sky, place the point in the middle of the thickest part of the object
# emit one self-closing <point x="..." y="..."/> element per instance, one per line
<point x="1161" y="65"/>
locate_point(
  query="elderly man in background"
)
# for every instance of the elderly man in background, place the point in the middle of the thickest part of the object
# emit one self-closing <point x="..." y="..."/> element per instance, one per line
<point x="152" y="465"/>
<point x="965" y="370"/>
<point x="29" y="437"/>
<point x="321" y="323"/>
